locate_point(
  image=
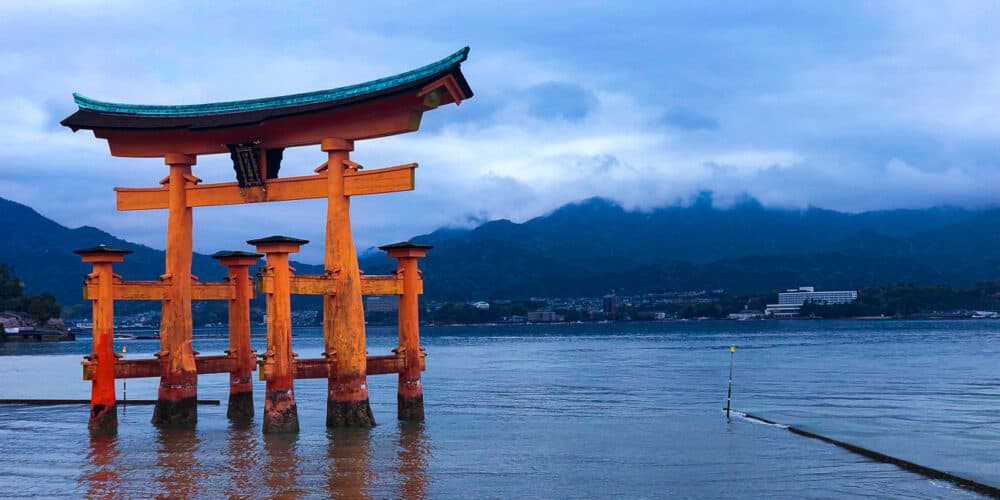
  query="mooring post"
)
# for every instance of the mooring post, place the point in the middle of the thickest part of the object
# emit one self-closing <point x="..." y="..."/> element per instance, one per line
<point x="343" y="311"/>
<point x="103" y="407"/>
<point x="729" y="394"/>
<point x="410" y="395"/>
<point x="277" y="369"/>
<point x="177" y="395"/>
<point x="240" y="352"/>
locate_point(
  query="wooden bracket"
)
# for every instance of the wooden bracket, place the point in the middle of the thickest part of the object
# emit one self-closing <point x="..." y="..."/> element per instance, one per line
<point x="449" y="83"/>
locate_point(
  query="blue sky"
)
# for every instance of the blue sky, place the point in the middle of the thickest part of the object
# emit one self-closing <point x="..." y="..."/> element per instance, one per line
<point x="845" y="105"/>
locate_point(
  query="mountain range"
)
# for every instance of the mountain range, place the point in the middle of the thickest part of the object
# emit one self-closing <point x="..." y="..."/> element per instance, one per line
<point x="593" y="246"/>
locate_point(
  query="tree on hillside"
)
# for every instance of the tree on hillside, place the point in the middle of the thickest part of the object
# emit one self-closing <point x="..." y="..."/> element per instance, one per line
<point x="12" y="298"/>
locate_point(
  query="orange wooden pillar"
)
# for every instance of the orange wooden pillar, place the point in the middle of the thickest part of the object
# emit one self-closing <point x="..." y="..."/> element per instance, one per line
<point x="280" y="411"/>
<point x="410" y="396"/>
<point x="343" y="312"/>
<point x="177" y="397"/>
<point x="103" y="408"/>
<point x="240" y="381"/>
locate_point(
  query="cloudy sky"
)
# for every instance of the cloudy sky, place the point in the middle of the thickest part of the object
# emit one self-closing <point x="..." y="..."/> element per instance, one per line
<point x="845" y="105"/>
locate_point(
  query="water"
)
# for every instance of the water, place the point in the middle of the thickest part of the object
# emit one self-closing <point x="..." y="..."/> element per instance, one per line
<point x="565" y="411"/>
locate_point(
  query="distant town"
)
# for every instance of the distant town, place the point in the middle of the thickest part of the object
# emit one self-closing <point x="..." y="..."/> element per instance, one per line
<point x="804" y="302"/>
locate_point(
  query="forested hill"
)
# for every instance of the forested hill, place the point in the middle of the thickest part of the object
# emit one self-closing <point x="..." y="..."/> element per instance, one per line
<point x="40" y="251"/>
<point x="591" y="247"/>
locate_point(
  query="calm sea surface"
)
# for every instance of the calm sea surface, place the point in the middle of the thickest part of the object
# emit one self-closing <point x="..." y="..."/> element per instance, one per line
<point x="561" y="411"/>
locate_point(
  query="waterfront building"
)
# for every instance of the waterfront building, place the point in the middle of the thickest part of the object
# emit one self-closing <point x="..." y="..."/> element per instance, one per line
<point x="544" y="316"/>
<point x="791" y="301"/>
<point x="609" y="303"/>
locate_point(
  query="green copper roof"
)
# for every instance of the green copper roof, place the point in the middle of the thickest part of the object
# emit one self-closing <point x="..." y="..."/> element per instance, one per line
<point x="349" y="91"/>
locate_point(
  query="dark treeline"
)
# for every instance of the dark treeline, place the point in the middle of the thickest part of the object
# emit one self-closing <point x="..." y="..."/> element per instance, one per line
<point x="910" y="300"/>
<point x="12" y="298"/>
<point x="466" y="313"/>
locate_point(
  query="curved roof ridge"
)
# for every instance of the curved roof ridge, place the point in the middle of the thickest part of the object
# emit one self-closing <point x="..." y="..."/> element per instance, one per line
<point x="86" y="103"/>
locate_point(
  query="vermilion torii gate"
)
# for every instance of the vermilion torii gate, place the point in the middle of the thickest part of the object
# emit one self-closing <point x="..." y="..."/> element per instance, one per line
<point x="255" y="133"/>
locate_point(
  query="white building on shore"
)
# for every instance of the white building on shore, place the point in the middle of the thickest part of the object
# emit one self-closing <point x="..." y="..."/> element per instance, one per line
<point x="791" y="301"/>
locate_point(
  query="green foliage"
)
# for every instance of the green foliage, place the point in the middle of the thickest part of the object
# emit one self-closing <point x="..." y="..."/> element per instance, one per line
<point x="12" y="298"/>
<point x="466" y="313"/>
<point x="909" y="299"/>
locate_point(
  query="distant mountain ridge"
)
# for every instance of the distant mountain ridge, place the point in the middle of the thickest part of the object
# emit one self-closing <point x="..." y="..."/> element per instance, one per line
<point x="593" y="246"/>
<point x="41" y="252"/>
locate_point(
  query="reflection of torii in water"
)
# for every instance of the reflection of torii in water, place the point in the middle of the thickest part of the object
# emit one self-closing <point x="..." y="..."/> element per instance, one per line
<point x="255" y="133"/>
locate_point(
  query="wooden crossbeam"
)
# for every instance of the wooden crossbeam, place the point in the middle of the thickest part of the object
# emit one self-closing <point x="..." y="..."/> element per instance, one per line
<point x="157" y="290"/>
<point x="375" y="365"/>
<point x="130" y="290"/>
<point x="307" y="187"/>
<point x="318" y="284"/>
<point x="220" y="290"/>
<point x="304" y="368"/>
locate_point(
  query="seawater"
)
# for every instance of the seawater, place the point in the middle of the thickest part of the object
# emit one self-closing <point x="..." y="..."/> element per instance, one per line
<point x="551" y="411"/>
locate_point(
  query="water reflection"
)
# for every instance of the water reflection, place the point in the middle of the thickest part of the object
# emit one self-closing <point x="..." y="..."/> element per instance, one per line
<point x="350" y="454"/>
<point x="282" y="470"/>
<point x="414" y="453"/>
<point x="242" y="452"/>
<point x="177" y="466"/>
<point x="101" y="475"/>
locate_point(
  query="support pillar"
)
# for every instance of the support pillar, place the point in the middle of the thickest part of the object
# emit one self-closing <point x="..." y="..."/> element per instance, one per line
<point x="243" y="356"/>
<point x="177" y="397"/>
<point x="343" y="312"/>
<point x="103" y="407"/>
<point x="410" y="395"/>
<point x="280" y="412"/>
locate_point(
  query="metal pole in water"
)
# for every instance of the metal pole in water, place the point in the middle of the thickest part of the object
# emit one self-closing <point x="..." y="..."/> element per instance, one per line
<point x="124" y="385"/>
<point x="729" y="396"/>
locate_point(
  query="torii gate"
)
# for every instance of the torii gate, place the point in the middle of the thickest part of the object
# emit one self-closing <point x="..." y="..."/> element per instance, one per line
<point x="255" y="133"/>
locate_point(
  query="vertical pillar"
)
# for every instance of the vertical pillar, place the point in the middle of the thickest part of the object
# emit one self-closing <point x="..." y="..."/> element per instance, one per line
<point x="410" y="396"/>
<point x="240" y="381"/>
<point x="343" y="312"/>
<point x="280" y="411"/>
<point x="177" y="397"/>
<point x="103" y="408"/>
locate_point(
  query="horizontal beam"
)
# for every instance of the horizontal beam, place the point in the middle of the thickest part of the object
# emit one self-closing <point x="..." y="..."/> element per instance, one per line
<point x="221" y="363"/>
<point x="157" y="290"/>
<point x="319" y="284"/>
<point x="216" y="290"/>
<point x="304" y="368"/>
<point x="129" y="290"/>
<point x="144" y="368"/>
<point x="307" y="187"/>
<point x="376" y="365"/>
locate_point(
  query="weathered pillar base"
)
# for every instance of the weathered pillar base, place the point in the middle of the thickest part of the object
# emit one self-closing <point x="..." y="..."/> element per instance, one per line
<point x="179" y="413"/>
<point x="281" y="414"/>
<point x="410" y="408"/>
<point x="240" y="406"/>
<point x="177" y="403"/>
<point x="349" y="414"/>
<point x="103" y="420"/>
<point x="347" y="403"/>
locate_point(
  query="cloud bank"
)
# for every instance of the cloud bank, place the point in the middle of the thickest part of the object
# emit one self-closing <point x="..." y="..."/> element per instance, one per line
<point x="853" y="107"/>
